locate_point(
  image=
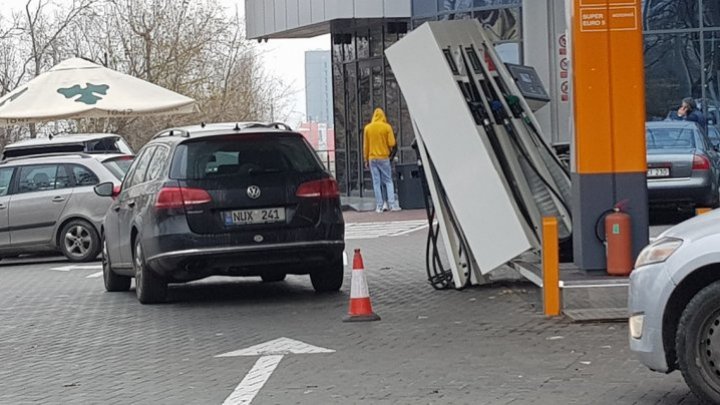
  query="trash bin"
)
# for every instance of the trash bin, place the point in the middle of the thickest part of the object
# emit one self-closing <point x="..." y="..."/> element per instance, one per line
<point x="409" y="186"/>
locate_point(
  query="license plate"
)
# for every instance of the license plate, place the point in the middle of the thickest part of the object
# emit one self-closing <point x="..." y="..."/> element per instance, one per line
<point x="256" y="216"/>
<point x="658" y="172"/>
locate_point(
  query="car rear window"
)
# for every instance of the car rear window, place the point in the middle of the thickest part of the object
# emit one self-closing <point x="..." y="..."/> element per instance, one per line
<point x="113" y="144"/>
<point x="243" y="155"/>
<point x="670" y="138"/>
<point x="118" y="166"/>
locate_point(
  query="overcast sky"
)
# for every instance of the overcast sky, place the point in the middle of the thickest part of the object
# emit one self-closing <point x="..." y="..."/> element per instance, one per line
<point x="284" y="57"/>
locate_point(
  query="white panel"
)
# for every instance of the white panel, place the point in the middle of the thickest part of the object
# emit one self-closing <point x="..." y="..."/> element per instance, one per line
<point x="397" y="8"/>
<point x="260" y="18"/>
<point x="292" y="15"/>
<point x="269" y="10"/>
<point x="368" y="8"/>
<point x="563" y="111"/>
<point x="250" y="19"/>
<point x="318" y="10"/>
<point x="305" y="12"/>
<point x="475" y="189"/>
<point x="280" y="15"/>
<point x="537" y="50"/>
<point x="336" y="9"/>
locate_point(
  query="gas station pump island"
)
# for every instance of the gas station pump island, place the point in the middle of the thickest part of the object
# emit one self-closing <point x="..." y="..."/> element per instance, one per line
<point x="490" y="173"/>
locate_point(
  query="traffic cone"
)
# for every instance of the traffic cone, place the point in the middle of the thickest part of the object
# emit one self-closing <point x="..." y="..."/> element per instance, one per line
<point x="360" y="306"/>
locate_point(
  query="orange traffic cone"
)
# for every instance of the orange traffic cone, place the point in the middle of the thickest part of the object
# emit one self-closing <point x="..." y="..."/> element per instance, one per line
<point x="360" y="306"/>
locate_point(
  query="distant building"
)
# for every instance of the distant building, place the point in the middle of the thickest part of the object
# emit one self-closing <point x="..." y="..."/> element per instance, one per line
<point x="318" y="87"/>
<point x="322" y="139"/>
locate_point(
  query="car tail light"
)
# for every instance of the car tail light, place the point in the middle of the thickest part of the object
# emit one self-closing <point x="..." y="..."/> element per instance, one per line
<point x="325" y="188"/>
<point x="179" y="197"/>
<point x="701" y="163"/>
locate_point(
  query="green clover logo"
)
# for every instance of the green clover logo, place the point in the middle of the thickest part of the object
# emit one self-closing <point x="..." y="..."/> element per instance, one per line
<point x="87" y="94"/>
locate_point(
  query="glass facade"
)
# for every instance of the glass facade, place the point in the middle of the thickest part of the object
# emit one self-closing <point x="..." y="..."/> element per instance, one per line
<point x="682" y="55"/>
<point x="363" y="79"/>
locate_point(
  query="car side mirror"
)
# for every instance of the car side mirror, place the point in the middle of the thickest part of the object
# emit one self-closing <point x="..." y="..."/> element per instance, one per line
<point x="106" y="190"/>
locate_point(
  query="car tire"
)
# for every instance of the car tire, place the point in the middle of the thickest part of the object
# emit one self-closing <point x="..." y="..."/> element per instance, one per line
<point x="79" y="241"/>
<point x="113" y="282"/>
<point x="273" y="277"/>
<point x="328" y="278"/>
<point x="149" y="288"/>
<point x="698" y="344"/>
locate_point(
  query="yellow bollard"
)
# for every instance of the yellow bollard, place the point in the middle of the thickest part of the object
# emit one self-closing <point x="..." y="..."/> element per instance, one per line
<point x="550" y="267"/>
<point x="700" y="211"/>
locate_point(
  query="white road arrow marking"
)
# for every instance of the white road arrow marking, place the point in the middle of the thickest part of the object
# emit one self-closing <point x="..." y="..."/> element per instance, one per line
<point x="271" y="353"/>
<point x="78" y="267"/>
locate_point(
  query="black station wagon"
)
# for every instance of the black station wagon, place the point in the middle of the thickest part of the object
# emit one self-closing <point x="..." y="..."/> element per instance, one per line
<point x="245" y="199"/>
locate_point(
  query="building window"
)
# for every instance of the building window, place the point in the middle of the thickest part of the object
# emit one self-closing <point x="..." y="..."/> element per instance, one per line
<point x="671" y="14"/>
<point x="672" y="71"/>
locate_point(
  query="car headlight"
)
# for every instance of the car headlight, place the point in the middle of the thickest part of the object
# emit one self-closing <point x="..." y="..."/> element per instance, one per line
<point x="658" y="252"/>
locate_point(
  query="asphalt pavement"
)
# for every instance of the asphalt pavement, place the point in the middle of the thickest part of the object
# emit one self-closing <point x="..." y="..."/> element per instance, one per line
<point x="64" y="340"/>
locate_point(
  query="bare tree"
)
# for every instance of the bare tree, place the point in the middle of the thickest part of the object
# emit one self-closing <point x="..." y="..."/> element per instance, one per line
<point x="196" y="48"/>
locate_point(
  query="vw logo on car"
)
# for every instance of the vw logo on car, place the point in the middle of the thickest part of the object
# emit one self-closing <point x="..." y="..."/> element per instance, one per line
<point x="253" y="192"/>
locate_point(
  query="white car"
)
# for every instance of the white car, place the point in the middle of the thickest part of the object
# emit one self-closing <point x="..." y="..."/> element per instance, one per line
<point x="75" y="143"/>
<point x="674" y="304"/>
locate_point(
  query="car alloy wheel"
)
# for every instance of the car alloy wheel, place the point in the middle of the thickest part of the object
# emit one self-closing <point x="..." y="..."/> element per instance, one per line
<point x="113" y="282"/>
<point x="149" y="288"/>
<point x="78" y="241"/>
<point x="139" y="264"/>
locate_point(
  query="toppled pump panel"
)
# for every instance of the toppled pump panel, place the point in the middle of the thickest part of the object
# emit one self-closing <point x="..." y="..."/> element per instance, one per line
<point x="497" y="175"/>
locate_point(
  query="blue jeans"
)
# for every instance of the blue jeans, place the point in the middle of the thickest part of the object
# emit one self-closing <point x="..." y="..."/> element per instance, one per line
<point x="382" y="174"/>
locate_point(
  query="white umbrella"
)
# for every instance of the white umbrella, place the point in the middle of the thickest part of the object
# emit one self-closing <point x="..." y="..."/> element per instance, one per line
<point x="77" y="88"/>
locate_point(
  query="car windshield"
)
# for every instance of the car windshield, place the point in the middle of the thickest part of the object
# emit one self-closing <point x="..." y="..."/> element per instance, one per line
<point x="243" y="155"/>
<point x="670" y="138"/>
<point x="118" y="166"/>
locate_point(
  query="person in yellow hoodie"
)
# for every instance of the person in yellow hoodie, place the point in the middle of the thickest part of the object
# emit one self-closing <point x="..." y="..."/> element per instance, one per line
<point x="378" y="141"/>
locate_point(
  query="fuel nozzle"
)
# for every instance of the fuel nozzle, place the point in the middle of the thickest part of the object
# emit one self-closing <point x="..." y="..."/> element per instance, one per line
<point x="498" y="111"/>
<point x="514" y="104"/>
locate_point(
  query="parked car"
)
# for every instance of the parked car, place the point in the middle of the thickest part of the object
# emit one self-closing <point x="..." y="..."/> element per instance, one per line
<point x="223" y="199"/>
<point x="683" y="167"/>
<point x="674" y="304"/>
<point x="714" y="135"/>
<point x="47" y="203"/>
<point x="76" y="143"/>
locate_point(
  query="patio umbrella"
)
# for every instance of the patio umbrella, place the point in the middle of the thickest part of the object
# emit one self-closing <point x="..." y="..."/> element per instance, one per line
<point x="77" y="88"/>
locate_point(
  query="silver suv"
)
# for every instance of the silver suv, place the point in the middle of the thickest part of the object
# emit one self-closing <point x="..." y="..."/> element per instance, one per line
<point x="47" y="203"/>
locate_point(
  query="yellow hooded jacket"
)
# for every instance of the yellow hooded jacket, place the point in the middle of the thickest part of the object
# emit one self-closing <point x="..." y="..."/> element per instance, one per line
<point x="378" y="137"/>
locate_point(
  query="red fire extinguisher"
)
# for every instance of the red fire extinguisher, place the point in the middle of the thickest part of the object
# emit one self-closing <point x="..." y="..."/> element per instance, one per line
<point x="618" y="237"/>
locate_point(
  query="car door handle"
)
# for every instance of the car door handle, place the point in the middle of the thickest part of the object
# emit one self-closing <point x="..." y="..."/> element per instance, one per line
<point x="2" y="206"/>
<point x="131" y="204"/>
<point x="116" y="208"/>
<point x="58" y="199"/>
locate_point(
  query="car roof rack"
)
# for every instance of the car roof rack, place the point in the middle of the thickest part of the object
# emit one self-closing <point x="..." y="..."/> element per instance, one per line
<point x="276" y="125"/>
<point x="83" y="155"/>
<point x="173" y="132"/>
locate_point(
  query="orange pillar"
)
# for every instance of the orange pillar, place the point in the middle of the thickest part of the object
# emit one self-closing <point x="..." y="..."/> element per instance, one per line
<point x="550" y="267"/>
<point x="609" y="111"/>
